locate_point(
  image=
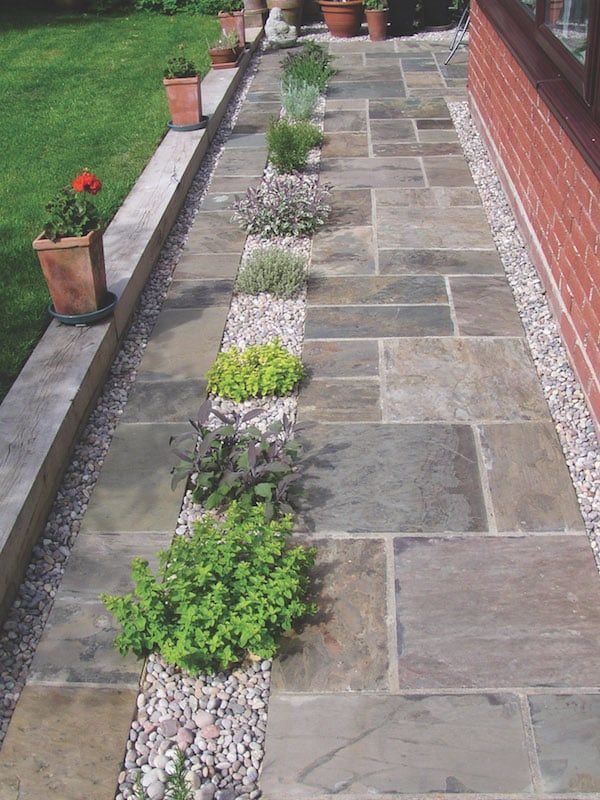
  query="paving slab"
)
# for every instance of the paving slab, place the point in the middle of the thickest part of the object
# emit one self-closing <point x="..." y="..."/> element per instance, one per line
<point x="416" y="149"/>
<point x="397" y="130"/>
<point x="438" y="196"/>
<point x="345" y="488"/>
<point x="360" y="322"/>
<point x="409" y="108"/>
<point x="567" y="737"/>
<point x="198" y="294"/>
<point x="369" y="73"/>
<point x="437" y="135"/>
<point x="82" y="730"/>
<point x="344" y="648"/>
<point x="219" y="201"/>
<point x="342" y="359"/>
<point x="255" y="117"/>
<point x="447" y="171"/>
<point x="529" y="482"/>
<point x="343" y="251"/>
<point x="334" y="400"/>
<point x="134" y="492"/>
<point x="354" y="121"/>
<point x="372" y="745"/>
<point x="372" y="173"/>
<point x="192" y="266"/>
<point x="342" y="143"/>
<point x="373" y="90"/>
<point x="425" y="227"/>
<point x="497" y="612"/>
<point x="439" y="262"/>
<point x="246" y="161"/>
<point x="164" y="401"/>
<point x="460" y="380"/>
<point x="349" y="208"/>
<point x="376" y="290"/>
<point x="214" y="232"/>
<point x="485" y="307"/>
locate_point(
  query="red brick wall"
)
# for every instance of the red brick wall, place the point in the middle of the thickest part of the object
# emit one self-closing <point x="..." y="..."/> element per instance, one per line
<point x="554" y="193"/>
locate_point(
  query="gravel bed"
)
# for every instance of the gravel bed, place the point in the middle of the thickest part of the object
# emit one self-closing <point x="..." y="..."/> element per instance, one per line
<point x="26" y="619"/>
<point x="561" y="387"/>
<point x="319" y="32"/>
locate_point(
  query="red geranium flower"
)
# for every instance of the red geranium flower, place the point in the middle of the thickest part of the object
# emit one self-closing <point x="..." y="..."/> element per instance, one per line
<point x="87" y="182"/>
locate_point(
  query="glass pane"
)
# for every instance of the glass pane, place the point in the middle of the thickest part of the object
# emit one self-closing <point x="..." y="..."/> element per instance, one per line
<point x="568" y="21"/>
<point x="529" y="6"/>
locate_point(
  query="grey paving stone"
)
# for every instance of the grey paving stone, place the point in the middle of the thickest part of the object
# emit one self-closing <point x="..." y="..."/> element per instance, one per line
<point x="440" y="196"/>
<point x="222" y="201"/>
<point x="424" y="79"/>
<point x="247" y="140"/>
<point x="350" y="208"/>
<point x="460" y="380"/>
<point x="343" y="359"/>
<point x="352" y="322"/>
<point x="344" y="251"/>
<point x="447" y="171"/>
<point x="384" y="173"/>
<point x="344" y="648"/>
<point x="262" y="96"/>
<point x="409" y="108"/>
<point x="214" y="232"/>
<point x="567" y="737"/>
<point x="395" y="130"/>
<point x="373" y="90"/>
<point x="361" y="477"/>
<point x="376" y="290"/>
<point x="529" y="481"/>
<point x="351" y="104"/>
<point x="439" y="262"/>
<point x="416" y="149"/>
<point x="164" y="401"/>
<point x="437" y="136"/>
<point x="134" y="491"/>
<point x="334" y="400"/>
<point x="255" y="117"/>
<point x="497" y="611"/>
<point x="429" y="228"/>
<point x="342" y="143"/>
<point x="485" y="307"/>
<point x="211" y="265"/>
<point x="340" y="120"/>
<point x="374" y="745"/>
<point x="434" y="124"/>
<point x="198" y="294"/>
<point x="244" y="161"/>
<point x="371" y="73"/>
<point x="238" y="183"/>
<point x="183" y="344"/>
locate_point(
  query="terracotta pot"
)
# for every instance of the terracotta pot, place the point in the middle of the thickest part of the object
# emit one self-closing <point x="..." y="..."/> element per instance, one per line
<point x="74" y="271"/>
<point x="234" y="21"/>
<point x="221" y="56"/>
<point x="343" y="18"/>
<point x="291" y="11"/>
<point x="255" y="13"/>
<point x="377" y="22"/>
<point x="554" y="10"/>
<point x="185" y="103"/>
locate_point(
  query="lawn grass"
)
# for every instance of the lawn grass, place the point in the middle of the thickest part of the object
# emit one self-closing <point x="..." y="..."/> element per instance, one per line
<point x="79" y="91"/>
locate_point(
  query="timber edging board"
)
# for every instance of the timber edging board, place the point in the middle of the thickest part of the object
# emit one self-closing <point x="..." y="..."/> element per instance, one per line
<point x="49" y="403"/>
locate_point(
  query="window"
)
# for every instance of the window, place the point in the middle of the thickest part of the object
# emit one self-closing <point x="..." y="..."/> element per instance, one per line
<point x="568" y="20"/>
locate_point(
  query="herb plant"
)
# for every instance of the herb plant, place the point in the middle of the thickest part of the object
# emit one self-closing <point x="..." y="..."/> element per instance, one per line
<point x="375" y="5"/>
<point x="177" y="786"/>
<point x="228" y="40"/>
<point x="273" y="270"/>
<point x="180" y="67"/>
<point x="238" y="462"/>
<point x="283" y="205"/>
<point x="299" y="99"/>
<point x="261" y="370"/>
<point x="72" y="212"/>
<point x="230" y="590"/>
<point x="290" y="143"/>
<point x="311" y="65"/>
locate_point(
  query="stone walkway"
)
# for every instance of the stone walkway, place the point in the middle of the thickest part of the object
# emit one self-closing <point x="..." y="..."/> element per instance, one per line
<point x="458" y="645"/>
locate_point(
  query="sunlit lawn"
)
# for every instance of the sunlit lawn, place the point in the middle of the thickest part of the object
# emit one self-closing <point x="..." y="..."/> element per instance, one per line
<point x="78" y="91"/>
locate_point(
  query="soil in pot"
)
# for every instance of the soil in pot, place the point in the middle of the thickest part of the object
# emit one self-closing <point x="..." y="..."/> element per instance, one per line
<point x="291" y="11"/>
<point x="377" y="22"/>
<point x="343" y="18"/>
<point x="234" y="21"/>
<point x="185" y="103"/>
<point x="223" y="57"/>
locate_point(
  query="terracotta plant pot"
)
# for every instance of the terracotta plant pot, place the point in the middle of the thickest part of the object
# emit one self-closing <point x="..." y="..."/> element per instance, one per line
<point x="291" y="11"/>
<point x="343" y="18"/>
<point x="74" y="271"/>
<point x="554" y="10"/>
<point x="222" y="57"/>
<point x="255" y="12"/>
<point x="234" y="21"/>
<point x="185" y="103"/>
<point x="377" y="22"/>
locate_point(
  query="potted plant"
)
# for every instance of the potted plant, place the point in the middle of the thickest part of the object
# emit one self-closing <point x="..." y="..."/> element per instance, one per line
<point x="225" y="51"/>
<point x="71" y="253"/>
<point x="291" y="11"/>
<point x="231" y="17"/>
<point x="182" y="85"/>
<point x="376" y="14"/>
<point x="342" y="17"/>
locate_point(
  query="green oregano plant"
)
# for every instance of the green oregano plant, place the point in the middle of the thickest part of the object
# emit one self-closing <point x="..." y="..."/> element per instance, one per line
<point x="273" y="270"/>
<point x="235" y="461"/>
<point x="290" y="143"/>
<point x="261" y="370"/>
<point x="230" y="590"/>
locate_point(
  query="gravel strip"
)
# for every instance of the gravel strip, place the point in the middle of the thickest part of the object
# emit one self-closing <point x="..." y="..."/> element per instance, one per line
<point x="319" y="32"/>
<point x="561" y="387"/>
<point x="26" y="619"/>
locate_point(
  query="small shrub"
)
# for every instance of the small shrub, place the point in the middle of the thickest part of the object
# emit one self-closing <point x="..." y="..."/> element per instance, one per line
<point x="261" y="370"/>
<point x="299" y="99"/>
<point x="180" y="67"/>
<point x="232" y="589"/>
<point x="212" y="7"/>
<point x="375" y="5"/>
<point x="236" y="462"/>
<point x="311" y="65"/>
<point x="283" y="205"/>
<point x="290" y="143"/>
<point x="227" y="40"/>
<point x="271" y="269"/>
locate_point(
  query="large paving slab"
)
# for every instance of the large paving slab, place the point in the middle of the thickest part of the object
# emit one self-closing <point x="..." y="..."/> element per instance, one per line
<point x="460" y="380"/>
<point x="425" y="227"/>
<point x="344" y="251"/>
<point x="349" y="322"/>
<point x="376" y="290"/>
<point x="529" y="482"/>
<point x="341" y="359"/>
<point x="484" y="306"/>
<point x="361" y="477"/>
<point x="409" y="108"/>
<point x="334" y="400"/>
<point x="497" y="612"/>
<point x="439" y="262"/>
<point x="372" y="745"/>
<point x="164" y="401"/>
<point x="58" y="743"/>
<point x="372" y="173"/>
<point x="344" y="648"/>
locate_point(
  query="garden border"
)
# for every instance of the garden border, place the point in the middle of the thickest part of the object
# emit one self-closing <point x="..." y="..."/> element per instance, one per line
<point x="47" y="406"/>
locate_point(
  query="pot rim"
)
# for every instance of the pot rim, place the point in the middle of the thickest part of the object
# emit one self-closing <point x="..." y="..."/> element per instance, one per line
<point x="231" y="13"/>
<point x="215" y="50"/>
<point x="338" y="3"/>
<point x="65" y="242"/>
<point x="171" y="81"/>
